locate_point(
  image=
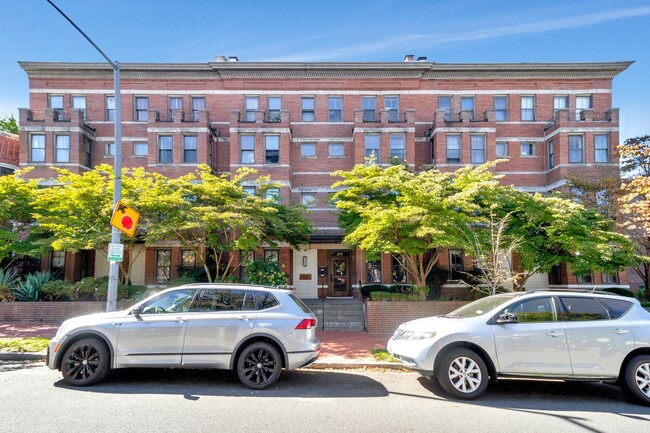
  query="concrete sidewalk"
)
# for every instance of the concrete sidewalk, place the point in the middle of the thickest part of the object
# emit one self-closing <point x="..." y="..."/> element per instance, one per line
<point x="339" y="349"/>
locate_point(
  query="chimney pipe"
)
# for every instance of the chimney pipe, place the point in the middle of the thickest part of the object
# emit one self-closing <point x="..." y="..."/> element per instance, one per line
<point x="409" y="57"/>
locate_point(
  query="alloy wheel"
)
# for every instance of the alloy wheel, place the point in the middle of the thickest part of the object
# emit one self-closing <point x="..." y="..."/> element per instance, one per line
<point x="465" y="374"/>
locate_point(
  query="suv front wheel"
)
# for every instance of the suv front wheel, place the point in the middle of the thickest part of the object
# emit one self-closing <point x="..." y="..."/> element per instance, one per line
<point x="637" y="378"/>
<point x="462" y="374"/>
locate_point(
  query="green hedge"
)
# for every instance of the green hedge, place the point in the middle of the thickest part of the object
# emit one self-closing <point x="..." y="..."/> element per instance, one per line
<point x="384" y="296"/>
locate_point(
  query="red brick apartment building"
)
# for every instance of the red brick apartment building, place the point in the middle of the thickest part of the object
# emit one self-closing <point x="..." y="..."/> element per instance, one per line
<point x="298" y="122"/>
<point x="8" y="153"/>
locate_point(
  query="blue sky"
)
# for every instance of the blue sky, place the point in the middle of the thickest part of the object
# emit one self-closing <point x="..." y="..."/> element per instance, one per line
<point x="458" y="31"/>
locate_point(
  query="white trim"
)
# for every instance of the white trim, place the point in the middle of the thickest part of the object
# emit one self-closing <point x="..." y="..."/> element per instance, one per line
<point x="380" y="130"/>
<point x="261" y="165"/>
<point x="180" y="130"/>
<point x="464" y="129"/>
<point x="523" y="139"/>
<point x="603" y="129"/>
<point x="322" y="140"/>
<point x="52" y="164"/>
<point x="262" y="130"/>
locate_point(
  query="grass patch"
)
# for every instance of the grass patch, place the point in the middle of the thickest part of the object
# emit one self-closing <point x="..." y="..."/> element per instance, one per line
<point x="383" y="355"/>
<point x="32" y="344"/>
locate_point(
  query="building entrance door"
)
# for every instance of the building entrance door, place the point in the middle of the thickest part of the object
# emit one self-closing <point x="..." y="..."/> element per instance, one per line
<point x="339" y="265"/>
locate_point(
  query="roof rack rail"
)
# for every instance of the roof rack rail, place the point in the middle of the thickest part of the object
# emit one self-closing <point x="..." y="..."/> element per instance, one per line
<point x="575" y="290"/>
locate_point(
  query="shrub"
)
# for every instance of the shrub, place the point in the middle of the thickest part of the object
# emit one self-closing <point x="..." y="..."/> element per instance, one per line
<point x="366" y="289"/>
<point x="620" y="291"/>
<point x="8" y="280"/>
<point x="266" y="272"/>
<point x="180" y="281"/>
<point x="90" y="289"/>
<point x="29" y="290"/>
<point x="57" y="290"/>
<point x="131" y="292"/>
<point x="384" y="296"/>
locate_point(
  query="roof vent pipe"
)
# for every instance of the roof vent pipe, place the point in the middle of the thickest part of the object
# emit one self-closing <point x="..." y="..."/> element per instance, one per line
<point x="409" y="57"/>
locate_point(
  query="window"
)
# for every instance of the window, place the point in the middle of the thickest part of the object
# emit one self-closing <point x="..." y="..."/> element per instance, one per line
<point x="581" y="309"/>
<point x="615" y="307"/>
<point x="397" y="151"/>
<point x="140" y="148"/>
<point x="584" y="279"/>
<point x="174" y="103"/>
<point x="560" y="103"/>
<point x="501" y="149"/>
<point x="198" y="104"/>
<point x="275" y="108"/>
<point x="308" y="109"/>
<point x="477" y="149"/>
<point x="582" y="103"/>
<point x="308" y="199"/>
<point x="56" y="103"/>
<point x="250" y="190"/>
<point x="264" y="301"/>
<point x="398" y="269"/>
<point x="456" y="264"/>
<point x="273" y="194"/>
<point x="165" y="149"/>
<point x="532" y="310"/>
<point x="252" y="104"/>
<point x="62" y="148"/>
<point x="190" y="149"/>
<point x="308" y="150"/>
<point x="575" y="149"/>
<point x="336" y="150"/>
<point x="602" y="198"/>
<point x="57" y="264"/>
<point x="247" y="146"/>
<point x="609" y="278"/>
<point x="272" y="255"/>
<point x="109" y="149"/>
<point x="371" y="146"/>
<point x="551" y="154"/>
<point x="601" y="148"/>
<point x="373" y="271"/>
<point x="224" y="300"/>
<point x="527" y="149"/>
<point x="335" y="108"/>
<point x="178" y="301"/>
<point x="453" y="148"/>
<point x="577" y="194"/>
<point x="141" y="107"/>
<point x="163" y="266"/>
<point x="444" y="103"/>
<point x="110" y="108"/>
<point x="369" y="106"/>
<point x="501" y="108"/>
<point x="88" y="151"/>
<point x="467" y="104"/>
<point x="391" y="103"/>
<point x="188" y="259"/>
<point x="271" y="149"/>
<point x="527" y="108"/>
<point x="79" y="103"/>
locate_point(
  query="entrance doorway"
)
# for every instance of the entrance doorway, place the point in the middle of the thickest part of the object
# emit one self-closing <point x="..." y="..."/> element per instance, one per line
<point x="339" y="265"/>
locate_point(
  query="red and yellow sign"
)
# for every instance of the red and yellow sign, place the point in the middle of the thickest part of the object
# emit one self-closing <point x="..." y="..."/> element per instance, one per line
<point x="125" y="218"/>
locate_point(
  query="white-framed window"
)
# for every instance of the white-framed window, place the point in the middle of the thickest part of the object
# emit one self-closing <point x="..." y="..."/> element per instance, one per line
<point x="501" y="149"/>
<point x="582" y="103"/>
<point x="308" y="199"/>
<point x="275" y="108"/>
<point x="335" y="108"/>
<point x="609" y="278"/>
<point x="37" y="148"/>
<point x="198" y="104"/>
<point x="560" y="102"/>
<point x="397" y="148"/>
<point x="190" y="149"/>
<point x="247" y="149"/>
<point x="602" y="198"/>
<point x="62" y="148"/>
<point x="444" y="103"/>
<point x="452" y="144"/>
<point x="250" y="190"/>
<point x="273" y="194"/>
<point x="165" y="149"/>
<point x="308" y="109"/>
<point x="271" y="149"/>
<point x="576" y="148"/>
<point x="467" y="104"/>
<point x="527" y="108"/>
<point x="109" y="149"/>
<point x="140" y="148"/>
<point x="477" y="147"/>
<point x="272" y="255"/>
<point x="369" y="106"/>
<point x="391" y="103"/>
<point x="373" y="271"/>
<point x="79" y="103"/>
<point x="163" y="265"/>
<point x="308" y="150"/>
<point x="141" y="107"/>
<point x="56" y="103"/>
<point x="174" y="103"/>
<point x="456" y="264"/>
<point x="551" y="153"/>
<point x="601" y="148"/>
<point x="371" y="148"/>
<point x="336" y="150"/>
<point x="110" y="108"/>
<point x="501" y="108"/>
<point x="251" y="106"/>
<point x="527" y="149"/>
<point x="188" y="259"/>
<point x="584" y="279"/>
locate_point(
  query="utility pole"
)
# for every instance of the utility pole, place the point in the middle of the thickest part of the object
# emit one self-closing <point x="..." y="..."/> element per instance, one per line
<point x="113" y="270"/>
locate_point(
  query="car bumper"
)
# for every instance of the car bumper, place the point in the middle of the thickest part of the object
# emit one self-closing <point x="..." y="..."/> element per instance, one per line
<point x="52" y="351"/>
<point x="413" y="354"/>
<point x="302" y="359"/>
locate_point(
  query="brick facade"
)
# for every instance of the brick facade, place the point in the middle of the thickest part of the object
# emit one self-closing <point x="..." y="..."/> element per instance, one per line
<point x="313" y="142"/>
<point x="387" y="316"/>
<point x="51" y="312"/>
<point x="9" y="149"/>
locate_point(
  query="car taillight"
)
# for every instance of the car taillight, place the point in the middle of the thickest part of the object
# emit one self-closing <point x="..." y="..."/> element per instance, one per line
<point x="306" y="324"/>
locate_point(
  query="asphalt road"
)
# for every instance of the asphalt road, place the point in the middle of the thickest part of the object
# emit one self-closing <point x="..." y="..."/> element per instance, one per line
<point x="34" y="399"/>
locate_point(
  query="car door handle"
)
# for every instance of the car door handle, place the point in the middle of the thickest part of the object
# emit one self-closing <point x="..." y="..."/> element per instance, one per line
<point x="180" y="320"/>
<point x="246" y="318"/>
<point x="620" y="331"/>
<point x="554" y="333"/>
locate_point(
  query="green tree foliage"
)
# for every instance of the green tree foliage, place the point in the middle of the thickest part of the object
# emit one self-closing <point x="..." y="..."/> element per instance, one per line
<point x="266" y="272"/>
<point x="9" y="124"/>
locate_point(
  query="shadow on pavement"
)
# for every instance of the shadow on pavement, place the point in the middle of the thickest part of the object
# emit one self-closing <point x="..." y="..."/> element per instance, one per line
<point x="6" y="366"/>
<point x="193" y="384"/>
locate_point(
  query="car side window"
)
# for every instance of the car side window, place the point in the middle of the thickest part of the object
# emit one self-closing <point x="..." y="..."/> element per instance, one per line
<point x="211" y="300"/>
<point x="615" y="307"/>
<point x="264" y="301"/>
<point x="178" y="301"/>
<point x="531" y="310"/>
<point x="581" y="309"/>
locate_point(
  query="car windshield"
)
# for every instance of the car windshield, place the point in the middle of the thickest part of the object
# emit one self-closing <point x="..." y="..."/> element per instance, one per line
<point x="480" y="306"/>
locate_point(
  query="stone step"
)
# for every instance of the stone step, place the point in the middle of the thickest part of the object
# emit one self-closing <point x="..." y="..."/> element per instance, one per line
<point x="339" y="314"/>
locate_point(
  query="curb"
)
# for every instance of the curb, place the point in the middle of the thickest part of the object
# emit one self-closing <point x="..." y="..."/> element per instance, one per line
<point x="338" y="365"/>
<point x="23" y="356"/>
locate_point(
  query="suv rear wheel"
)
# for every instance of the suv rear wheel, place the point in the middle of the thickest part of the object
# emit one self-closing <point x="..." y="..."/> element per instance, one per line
<point x="259" y="365"/>
<point x="462" y="374"/>
<point x="637" y="378"/>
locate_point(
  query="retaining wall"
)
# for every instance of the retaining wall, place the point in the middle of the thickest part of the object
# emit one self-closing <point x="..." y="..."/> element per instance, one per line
<point x="385" y="316"/>
<point x="51" y="312"/>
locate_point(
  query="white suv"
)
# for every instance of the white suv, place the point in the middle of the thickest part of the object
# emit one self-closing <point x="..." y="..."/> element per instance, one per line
<point x="541" y="334"/>
<point x="253" y="330"/>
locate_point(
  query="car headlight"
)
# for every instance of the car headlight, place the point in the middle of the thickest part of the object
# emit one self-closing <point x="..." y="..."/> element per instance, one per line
<point x="413" y="335"/>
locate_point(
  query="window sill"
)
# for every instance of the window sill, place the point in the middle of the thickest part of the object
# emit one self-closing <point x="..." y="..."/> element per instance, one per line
<point x="335" y="157"/>
<point x="308" y="157"/>
<point x="528" y="156"/>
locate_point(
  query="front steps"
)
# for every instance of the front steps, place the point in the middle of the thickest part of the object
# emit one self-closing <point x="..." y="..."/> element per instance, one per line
<point x="338" y="314"/>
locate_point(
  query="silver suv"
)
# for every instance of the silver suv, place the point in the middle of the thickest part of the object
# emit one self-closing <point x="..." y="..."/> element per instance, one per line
<point x="253" y="330"/>
<point x="541" y="334"/>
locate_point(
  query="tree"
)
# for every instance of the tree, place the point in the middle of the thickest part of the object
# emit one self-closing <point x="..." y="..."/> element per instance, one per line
<point x="9" y="124"/>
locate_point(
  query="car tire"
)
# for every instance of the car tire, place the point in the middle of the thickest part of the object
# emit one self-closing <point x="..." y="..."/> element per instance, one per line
<point x="637" y="378"/>
<point x="259" y="365"/>
<point x="85" y="362"/>
<point x="462" y="373"/>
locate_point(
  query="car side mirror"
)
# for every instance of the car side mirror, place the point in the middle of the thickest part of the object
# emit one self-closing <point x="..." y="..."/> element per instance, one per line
<point x="136" y="310"/>
<point x="507" y="318"/>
